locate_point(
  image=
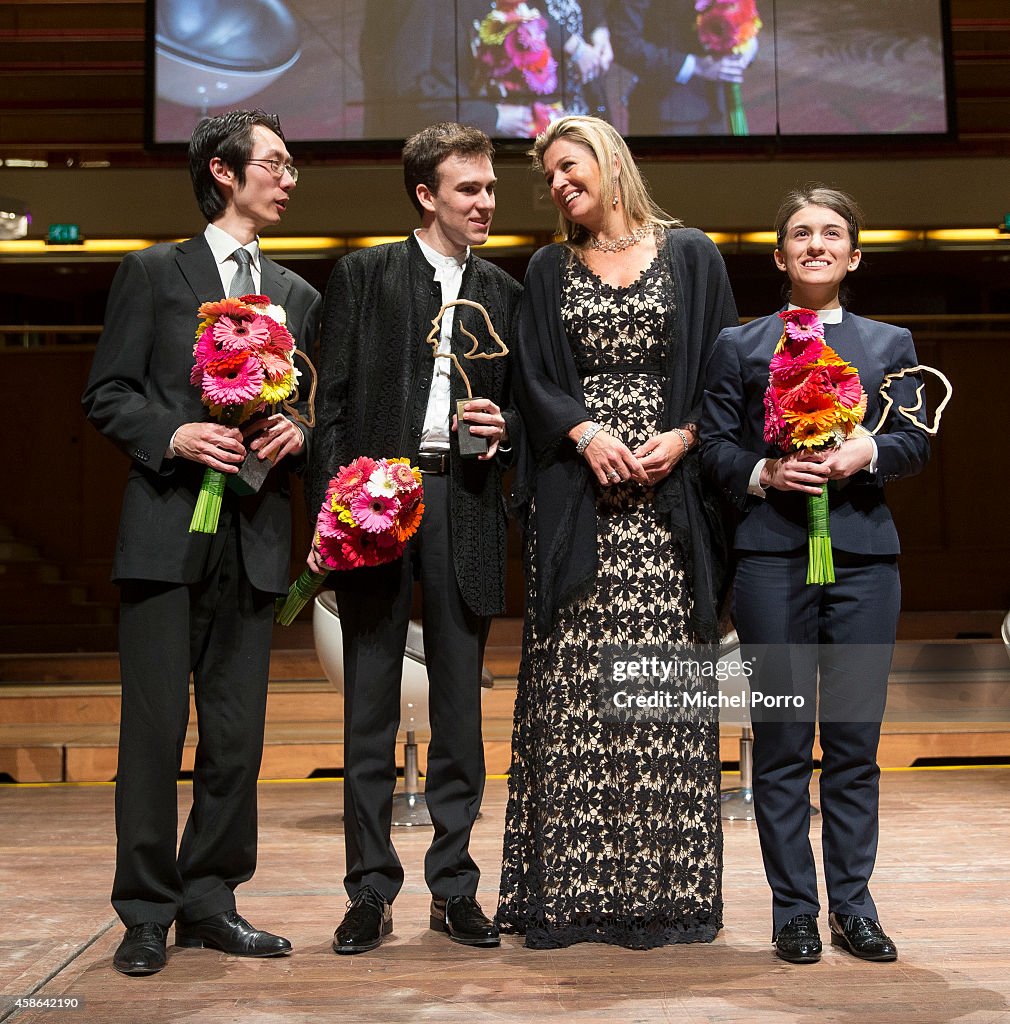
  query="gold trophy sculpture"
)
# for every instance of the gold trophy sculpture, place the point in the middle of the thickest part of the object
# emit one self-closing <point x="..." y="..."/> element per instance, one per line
<point x="909" y="411"/>
<point x="470" y="445"/>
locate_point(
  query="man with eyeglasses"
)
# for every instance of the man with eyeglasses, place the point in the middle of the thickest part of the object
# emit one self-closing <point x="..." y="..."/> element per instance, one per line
<point x="195" y="602"/>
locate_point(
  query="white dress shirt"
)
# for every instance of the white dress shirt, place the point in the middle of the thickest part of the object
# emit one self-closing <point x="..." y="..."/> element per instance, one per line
<point x="222" y="245"/>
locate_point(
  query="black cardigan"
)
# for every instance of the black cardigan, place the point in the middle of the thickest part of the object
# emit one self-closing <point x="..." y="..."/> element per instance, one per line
<point x="374" y="368"/>
<point x="548" y="394"/>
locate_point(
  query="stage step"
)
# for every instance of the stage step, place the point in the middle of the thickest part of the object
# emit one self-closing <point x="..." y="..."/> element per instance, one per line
<point x="61" y="712"/>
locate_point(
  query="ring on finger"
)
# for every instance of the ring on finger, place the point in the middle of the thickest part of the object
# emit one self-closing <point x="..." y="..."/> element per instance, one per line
<point x="614" y="475"/>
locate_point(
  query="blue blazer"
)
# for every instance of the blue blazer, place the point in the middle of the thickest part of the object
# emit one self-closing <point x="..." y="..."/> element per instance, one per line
<point x="732" y="442"/>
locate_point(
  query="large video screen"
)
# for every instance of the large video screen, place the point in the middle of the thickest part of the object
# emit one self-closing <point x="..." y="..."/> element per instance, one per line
<point x="374" y="70"/>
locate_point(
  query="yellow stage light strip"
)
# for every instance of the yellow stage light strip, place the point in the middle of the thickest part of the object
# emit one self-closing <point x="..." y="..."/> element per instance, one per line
<point x="494" y="241"/>
<point x="335" y="244"/>
<point x="308" y="244"/>
<point x="967" y="235"/>
<point x="93" y="247"/>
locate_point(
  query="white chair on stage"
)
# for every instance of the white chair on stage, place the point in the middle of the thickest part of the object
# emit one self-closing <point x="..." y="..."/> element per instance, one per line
<point x="738" y="803"/>
<point x="409" y="807"/>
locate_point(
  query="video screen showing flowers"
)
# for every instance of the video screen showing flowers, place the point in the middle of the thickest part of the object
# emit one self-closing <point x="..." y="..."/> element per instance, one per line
<point x="339" y="70"/>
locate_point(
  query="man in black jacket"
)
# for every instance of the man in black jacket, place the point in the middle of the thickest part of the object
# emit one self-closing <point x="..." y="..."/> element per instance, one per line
<point x="195" y="602"/>
<point x="383" y="395"/>
<point x="681" y="90"/>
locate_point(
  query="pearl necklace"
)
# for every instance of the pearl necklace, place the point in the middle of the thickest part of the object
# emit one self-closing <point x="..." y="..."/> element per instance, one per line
<point x="622" y="243"/>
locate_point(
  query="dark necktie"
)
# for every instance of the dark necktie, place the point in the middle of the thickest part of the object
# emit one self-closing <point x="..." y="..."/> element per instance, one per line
<point x="242" y="282"/>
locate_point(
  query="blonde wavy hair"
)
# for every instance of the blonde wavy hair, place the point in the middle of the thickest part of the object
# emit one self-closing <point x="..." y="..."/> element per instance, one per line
<point x="606" y="144"/>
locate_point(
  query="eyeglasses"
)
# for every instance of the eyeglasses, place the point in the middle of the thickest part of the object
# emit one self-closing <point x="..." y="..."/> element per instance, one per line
<point x="277" y="168"/>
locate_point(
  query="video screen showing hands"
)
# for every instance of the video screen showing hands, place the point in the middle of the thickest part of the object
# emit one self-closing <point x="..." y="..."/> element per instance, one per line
<point x="338" y="70"/>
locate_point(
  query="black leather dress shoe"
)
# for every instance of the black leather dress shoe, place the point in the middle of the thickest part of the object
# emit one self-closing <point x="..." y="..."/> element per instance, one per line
<point x="464" y="921"/>
<point x="369" y="917"/>
<point x="862" y="937"/>
<point x="230" y="933"/>
<point x="798" y="941"/>
<point x="142" y="950"/>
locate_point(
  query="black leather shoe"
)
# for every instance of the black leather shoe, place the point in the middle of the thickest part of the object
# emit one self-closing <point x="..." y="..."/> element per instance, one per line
<point x="142" y="950"/>
<point x="369" y="917"/>
<point x="464" y="921"/>
<point x="862" y="937"/>
<point x="231" y="933"/>
<point x="798" y="941"/>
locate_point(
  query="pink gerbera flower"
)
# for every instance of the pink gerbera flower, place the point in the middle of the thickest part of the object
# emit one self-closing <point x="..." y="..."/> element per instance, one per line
<point x="373" y="512"/>
<point x="280" y="336"/>
<point x="843" y="381"/>
<point x="402" y="475"/>
<point x="802" y="325"/>
<point x="240" y="334"/>
<point x="206" y="348"/>
<point x="348" y="483"/>
<point x="236" y="386"/>
<point x="775" y="425"/>
<point x="329" y="525"/>
<point x="342" y="552"/>
<point x="276" y="364"/>
<point x="793" y="360"/>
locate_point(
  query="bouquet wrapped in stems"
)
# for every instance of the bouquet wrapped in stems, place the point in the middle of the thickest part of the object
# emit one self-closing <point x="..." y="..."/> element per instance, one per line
<point x="513" y="60"/>
<point x="814" y="401"/>
<point x="243" y="363"/>
<point x="371" y="509"/>
<point x="725" y="27"/>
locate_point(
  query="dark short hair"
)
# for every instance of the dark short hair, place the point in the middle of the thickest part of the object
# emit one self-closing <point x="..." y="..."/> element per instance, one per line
<point x="815" y="194"/>
<point x="425" y="151"/>
<point x="229" y="137"/>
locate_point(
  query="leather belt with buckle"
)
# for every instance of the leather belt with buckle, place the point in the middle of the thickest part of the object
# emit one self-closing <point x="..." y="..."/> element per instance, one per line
<point x="433" y="462"/>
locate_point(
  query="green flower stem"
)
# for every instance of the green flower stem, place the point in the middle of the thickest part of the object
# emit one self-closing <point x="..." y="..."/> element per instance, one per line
<point x="208" y="503"/>
<point x="299" y="595"/>
<point x="821" y="566"/>
<point x="737" y="115"/>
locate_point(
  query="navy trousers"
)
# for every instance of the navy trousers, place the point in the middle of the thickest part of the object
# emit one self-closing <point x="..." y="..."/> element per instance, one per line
<point x="835" y="643"/>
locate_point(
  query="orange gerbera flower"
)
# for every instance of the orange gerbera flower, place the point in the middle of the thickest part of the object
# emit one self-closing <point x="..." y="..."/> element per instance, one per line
<point x="408" y="521"/>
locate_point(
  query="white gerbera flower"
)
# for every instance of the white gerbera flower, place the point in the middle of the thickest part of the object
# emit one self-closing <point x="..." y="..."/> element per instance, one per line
<point x="381" y="483"/>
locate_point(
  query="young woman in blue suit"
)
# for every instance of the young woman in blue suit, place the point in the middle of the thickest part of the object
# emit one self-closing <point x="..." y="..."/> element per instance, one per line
<point x="841" y="633"/>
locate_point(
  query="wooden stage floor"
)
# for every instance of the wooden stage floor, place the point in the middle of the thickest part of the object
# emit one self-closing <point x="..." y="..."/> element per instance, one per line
<point x="940" y="884"/>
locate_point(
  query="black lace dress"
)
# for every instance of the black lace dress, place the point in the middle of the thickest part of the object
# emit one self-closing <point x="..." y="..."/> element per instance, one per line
<point x="612" y="832"/>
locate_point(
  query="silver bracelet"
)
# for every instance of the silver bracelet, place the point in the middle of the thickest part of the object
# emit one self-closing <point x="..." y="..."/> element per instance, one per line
<point x="683" y="439"/>
<point x="587" y="435"/>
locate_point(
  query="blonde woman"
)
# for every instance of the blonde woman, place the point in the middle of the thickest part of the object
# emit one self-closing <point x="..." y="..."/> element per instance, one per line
<point x="612" y="831"/>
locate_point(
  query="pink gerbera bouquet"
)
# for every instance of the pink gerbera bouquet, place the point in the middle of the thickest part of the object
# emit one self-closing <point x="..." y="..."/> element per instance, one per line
<point x="371" y="509"/>
<point x="725" y="27"/>
<point x="243" y="362"/>
<point x="814" y="401"/>
<point x="513" y="58"/>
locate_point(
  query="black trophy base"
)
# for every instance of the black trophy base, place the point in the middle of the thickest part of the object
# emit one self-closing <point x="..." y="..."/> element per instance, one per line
<point x="470" y="445"/>
<point x="249" y="479"/>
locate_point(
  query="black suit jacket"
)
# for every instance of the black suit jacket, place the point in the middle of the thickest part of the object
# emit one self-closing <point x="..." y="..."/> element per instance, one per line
<point x="732" y="428"/>
<point x="652" y="39"/>
<point x="139" y="393"/>
<point x="375" y="371"/>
